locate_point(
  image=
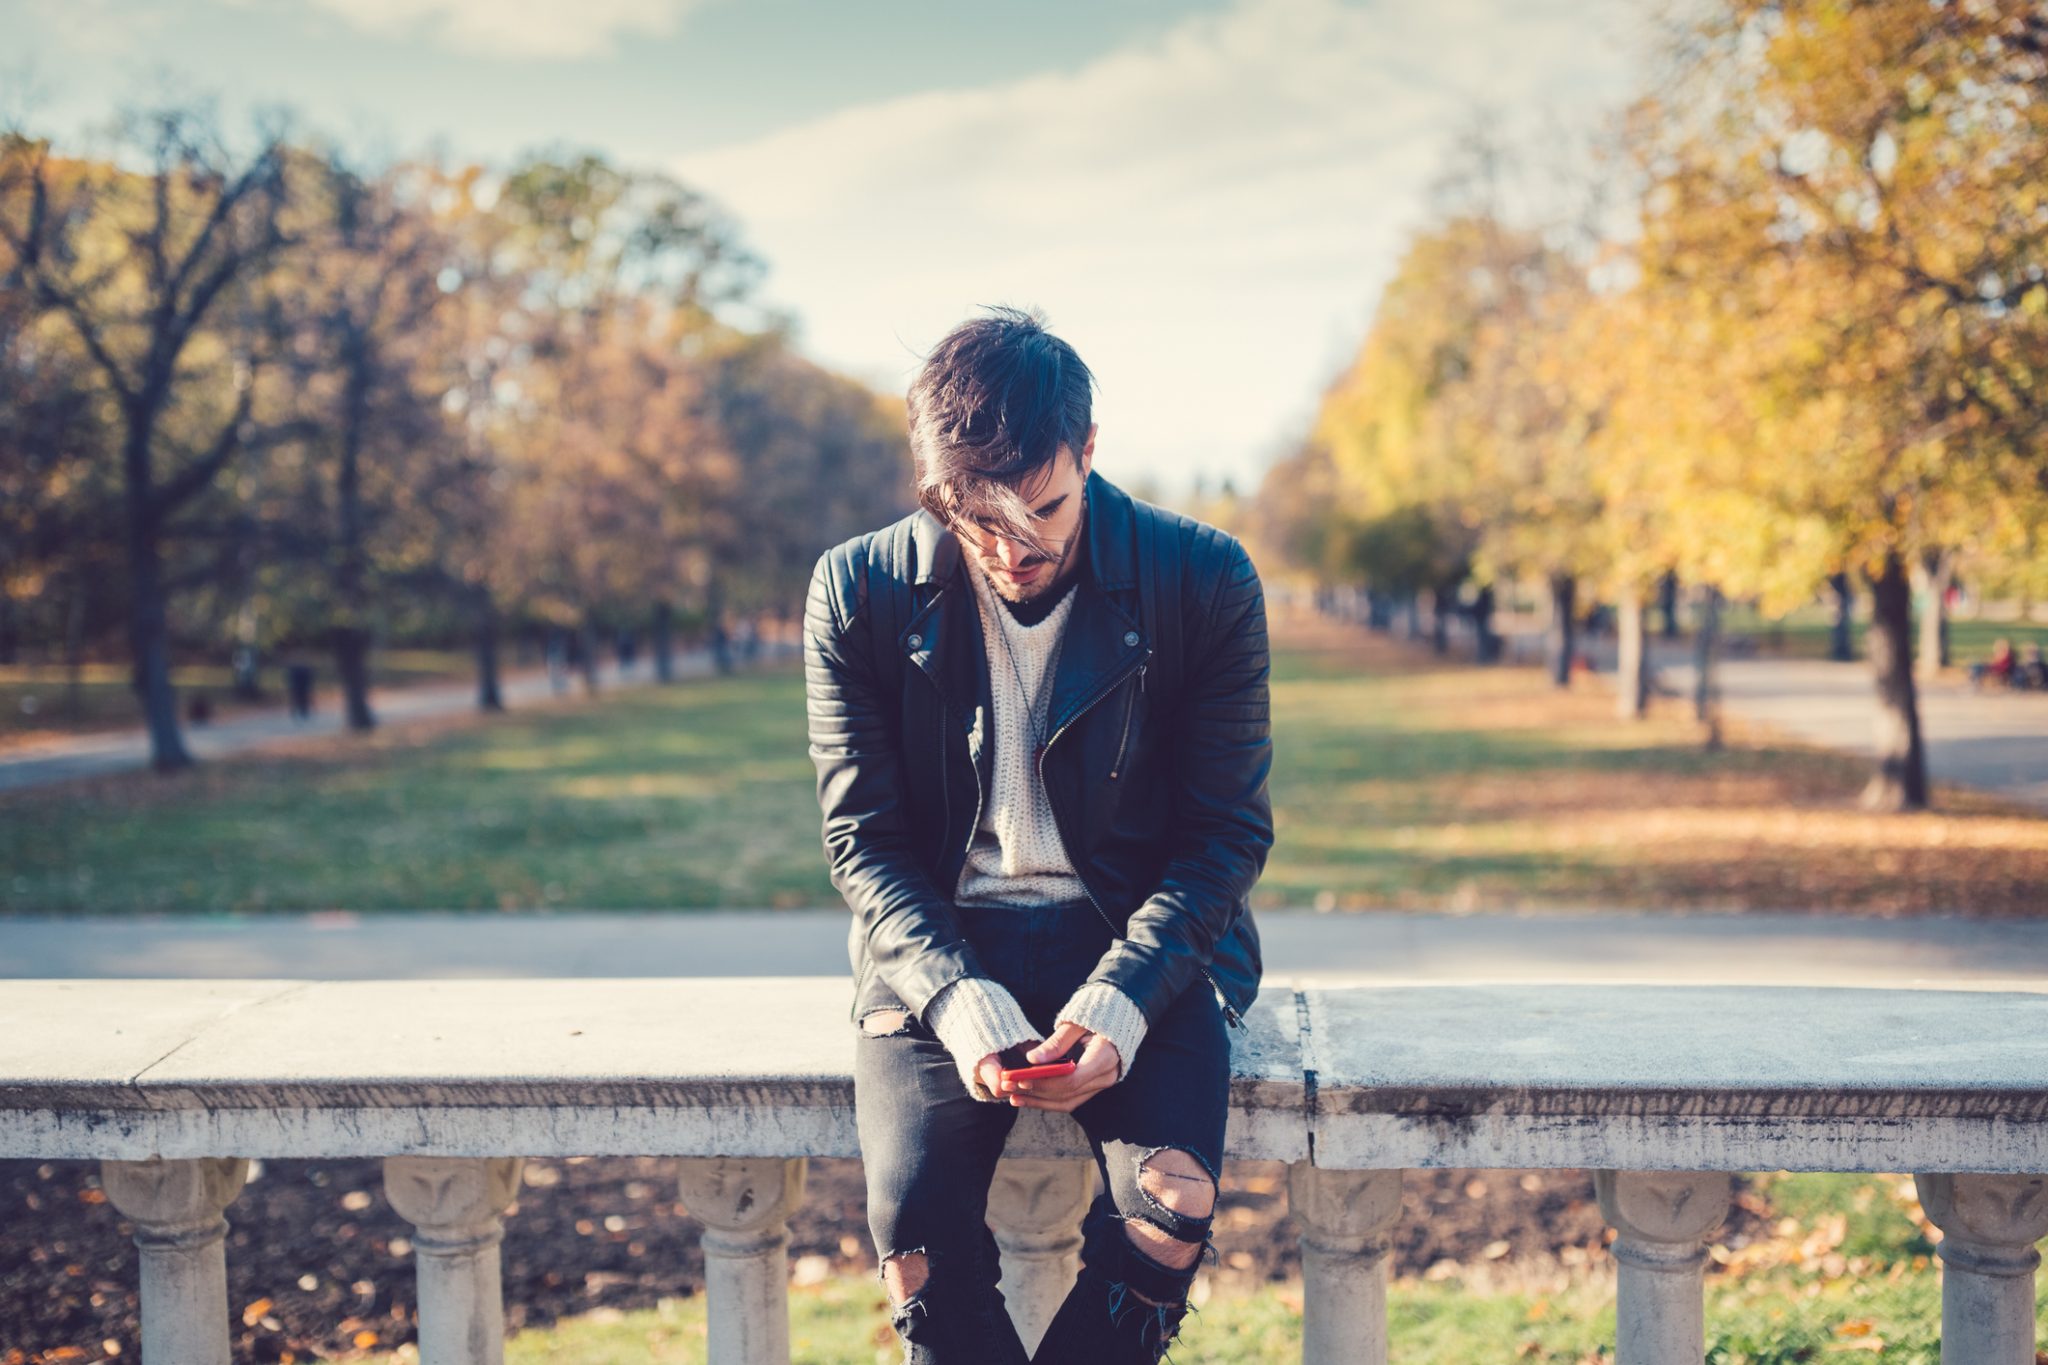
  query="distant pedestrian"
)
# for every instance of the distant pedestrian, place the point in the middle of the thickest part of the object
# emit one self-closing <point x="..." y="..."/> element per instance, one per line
<point x="2032" y="672"/>
<point x="299" y="682"/>
<point x="1998" y="669"/>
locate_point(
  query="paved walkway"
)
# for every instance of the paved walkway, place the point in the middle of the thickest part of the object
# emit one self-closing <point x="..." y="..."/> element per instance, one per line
<point x="1994" y="740"/>
<point x="128" y="751"/>
<point x="1300" y="946"/>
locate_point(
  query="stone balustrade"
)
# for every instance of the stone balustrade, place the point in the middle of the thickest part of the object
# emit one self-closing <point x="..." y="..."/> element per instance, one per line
<point x="1663" y="1091"/>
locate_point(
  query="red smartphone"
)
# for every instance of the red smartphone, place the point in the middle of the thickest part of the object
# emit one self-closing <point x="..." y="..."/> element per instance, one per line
<point x="1015" y="1068"/>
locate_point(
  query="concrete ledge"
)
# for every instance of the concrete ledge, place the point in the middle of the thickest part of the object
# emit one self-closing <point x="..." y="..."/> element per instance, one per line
<point x="1679" y="1078"/>
<point x="729" y="1066"/>
<point x="1626" y="1077"/>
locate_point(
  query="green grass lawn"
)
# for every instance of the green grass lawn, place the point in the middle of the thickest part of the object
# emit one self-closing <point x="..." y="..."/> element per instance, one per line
<point x="1398" y="782"/>
<point x="687" y="796"/>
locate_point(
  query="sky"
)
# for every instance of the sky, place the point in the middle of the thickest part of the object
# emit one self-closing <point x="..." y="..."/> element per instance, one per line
<point x="1203" y="196"/>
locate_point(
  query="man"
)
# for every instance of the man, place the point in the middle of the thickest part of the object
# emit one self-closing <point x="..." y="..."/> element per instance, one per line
<point x="1038" y="710"/>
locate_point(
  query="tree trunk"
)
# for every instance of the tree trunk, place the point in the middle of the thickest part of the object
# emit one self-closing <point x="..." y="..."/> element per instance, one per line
<point x="1486" y="645"/>
<point x="352" y="664"/>
<point x="1632" y="667"/>
<point x="664" y="641"/>
<point x="1564" y="627"/>
<point x="1841" y="632"/>
<point x="587" y="634"/>
<point x="351" y="635"/>
<point x="1414" y="614"/>
<point x="1900" y="782"/>
<point x="1938" y="571"/>
<point x="74" y="650"/>
<point x="1667" y="603"/>
<point x="714" y="616"/>
<point x="149" y="626"/>
<point x="1440" y="607"/>
<point x="490" y="695"/>
<point x="1379" y="611"/>
<point x="1706" y="667"/>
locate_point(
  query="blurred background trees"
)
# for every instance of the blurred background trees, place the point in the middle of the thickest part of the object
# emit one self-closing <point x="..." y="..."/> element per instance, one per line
<point x="1781" y="340"/>
<point x="1804" y="355"/>
<point x="266" y="398"/>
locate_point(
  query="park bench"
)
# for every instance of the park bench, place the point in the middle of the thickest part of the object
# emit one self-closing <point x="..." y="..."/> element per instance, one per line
<point x="1662" y="1091"/>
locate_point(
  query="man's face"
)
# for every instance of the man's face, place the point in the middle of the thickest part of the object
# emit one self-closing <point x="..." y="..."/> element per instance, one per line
<point x="1018" y="572"/>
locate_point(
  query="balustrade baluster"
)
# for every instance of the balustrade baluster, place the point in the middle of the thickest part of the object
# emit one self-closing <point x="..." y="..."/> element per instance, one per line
<point x="1346" y="1220"/>
<point x="744" y="1204"/>
<point x="1035" y="1206"/>
<point x="455" y="1206"/>
<point x="1989" y="1224"/>
<point x="1662" y="1219"/>
<point x="177" y="1209"/>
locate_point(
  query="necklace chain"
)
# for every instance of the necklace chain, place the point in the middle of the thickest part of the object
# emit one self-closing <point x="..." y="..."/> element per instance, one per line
<point x="1034" y="722"/>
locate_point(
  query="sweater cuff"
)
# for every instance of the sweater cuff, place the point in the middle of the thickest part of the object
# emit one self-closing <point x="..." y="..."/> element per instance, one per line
<point x="974" y="1016"/>
<point x="1101" y="1008"/>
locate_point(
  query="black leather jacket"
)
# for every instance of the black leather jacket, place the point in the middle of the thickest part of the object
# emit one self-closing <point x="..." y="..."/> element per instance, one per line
<point x="1157" y="753"/>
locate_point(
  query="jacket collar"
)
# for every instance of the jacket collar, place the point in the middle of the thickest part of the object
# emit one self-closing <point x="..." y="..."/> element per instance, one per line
<point x="1103" y="639"/>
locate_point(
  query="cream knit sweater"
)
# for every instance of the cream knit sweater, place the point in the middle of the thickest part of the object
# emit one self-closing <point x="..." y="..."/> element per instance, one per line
<point x="1016" y="858"/>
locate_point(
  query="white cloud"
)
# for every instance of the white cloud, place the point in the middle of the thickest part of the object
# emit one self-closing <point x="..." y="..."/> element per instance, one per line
<point x="560" y="29"/>
<point x="99" y="28"/>
<point x="1206" y="215"/>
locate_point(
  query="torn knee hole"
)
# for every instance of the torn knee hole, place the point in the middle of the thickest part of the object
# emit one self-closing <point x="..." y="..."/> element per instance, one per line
<point x="1176" y="1181"/>
<point x="1161" y="1246"/>
<point x="882" y="1022"/>
<point x="1182" y="1191"/>
<point x="905" y="1274"/>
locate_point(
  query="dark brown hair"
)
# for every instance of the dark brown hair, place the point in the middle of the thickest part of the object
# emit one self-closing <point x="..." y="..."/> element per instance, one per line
<point x="993" y="404"/>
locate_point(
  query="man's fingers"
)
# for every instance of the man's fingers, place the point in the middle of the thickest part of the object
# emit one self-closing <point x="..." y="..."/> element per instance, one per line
<point x="1052" y="1049"/>
<point x="1102" y="1054"/>
<point x="1097" y="1069"/>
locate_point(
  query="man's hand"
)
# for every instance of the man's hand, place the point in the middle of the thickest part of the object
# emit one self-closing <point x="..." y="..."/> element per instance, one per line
<point x="1098" y="1070"/>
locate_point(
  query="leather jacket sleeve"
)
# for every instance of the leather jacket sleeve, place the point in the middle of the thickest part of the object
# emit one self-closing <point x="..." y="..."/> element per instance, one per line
<point x="913" y="937"/>
<point x="1223" y="821"/>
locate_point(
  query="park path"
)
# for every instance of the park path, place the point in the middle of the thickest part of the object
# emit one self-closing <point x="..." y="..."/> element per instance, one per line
<point x="128" y="751"/>
<point x="1299" y="947"/>
<point x="1995" y="741"/>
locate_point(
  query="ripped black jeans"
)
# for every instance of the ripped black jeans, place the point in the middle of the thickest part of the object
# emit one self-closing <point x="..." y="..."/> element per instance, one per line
<point x="930" y="1151"/>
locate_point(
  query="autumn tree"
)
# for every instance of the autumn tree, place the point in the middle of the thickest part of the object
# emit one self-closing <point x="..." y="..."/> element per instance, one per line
<point x="1845" y="222"/>
<point x="159" y="273"/>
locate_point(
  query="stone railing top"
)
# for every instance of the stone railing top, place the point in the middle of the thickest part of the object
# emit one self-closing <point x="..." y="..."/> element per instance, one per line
<point x="1673" y="1077"/>
<point x="1641" y="1077"/>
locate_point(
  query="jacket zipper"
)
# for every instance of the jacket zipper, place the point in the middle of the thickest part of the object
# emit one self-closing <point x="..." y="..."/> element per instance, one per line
<point x="1116" y="764"/>
<point x="974" y="824"/>
<point x="1235" y="1019"/>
